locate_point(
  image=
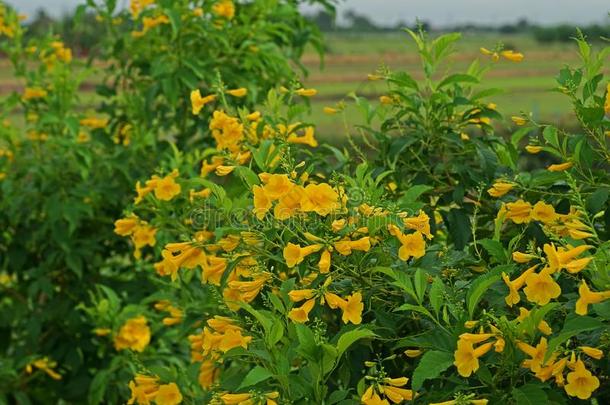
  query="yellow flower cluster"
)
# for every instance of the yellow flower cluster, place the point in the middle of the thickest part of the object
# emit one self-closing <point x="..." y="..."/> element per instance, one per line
<point x="175" y="314"/>
<point x="58" y="52"/>
<point x="291" y="198"/>
<point x="246" y="398"/>
<point x="390" y="388"/>
<point x="137" y="6"/>
<point x="541" y="287"/>
<point x="141" y="233"/>
<point x="145" y="389"/>
<point x="33" y="93"/>
<point x="233" y="137"/>
<point x="224" y="9"/>
<point x="46" y="365"/>
<point x="94" y="122"/>
<point x="149" y="23"/>
<point x="219" y="336"/>
<point x="580" y="382"/>
<point x="133" y="335"/>
<point x="7" y="28"/>
<point x="351" y="306"/>
<point x="522" y="212"/>
<point x="467" y="355"/>
<point x="164" y="188"/>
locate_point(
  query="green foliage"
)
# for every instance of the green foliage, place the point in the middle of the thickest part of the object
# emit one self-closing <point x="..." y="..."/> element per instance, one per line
<point x="66" y="174"/>
<point x="426" y="263"/>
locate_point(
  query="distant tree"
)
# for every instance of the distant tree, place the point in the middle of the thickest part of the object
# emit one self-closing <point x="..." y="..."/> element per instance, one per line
<point x="324" y="20"/>
<point x="40" y="24"/>
<point x="79" y="32"/>
<point x="360" y="23"/>
<point x="565" y="33"/>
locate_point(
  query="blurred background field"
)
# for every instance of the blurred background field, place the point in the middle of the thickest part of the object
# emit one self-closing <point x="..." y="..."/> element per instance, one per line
<point x="350" y="57"/>
<point x="359" y="44"/>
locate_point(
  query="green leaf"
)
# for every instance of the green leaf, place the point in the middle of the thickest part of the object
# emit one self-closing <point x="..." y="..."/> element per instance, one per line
<point x="329" y="358"/>
<point x="519" y="134"/>
<point x="443" y="45"/>
<point x="481" y="285"/>
<point x="255" y="376"/>
<point x="436" y="294"/>
<point x="457" y="78"/>
<point x="413" y="193"/>
<point x="421" y="282"/>
<point x="307" y="342"/>
<point x="175" y="20"/>
<point x="550" y="135"/>
<point x="495" y="250"/>
<point x="275" y="333"/>
<point x="572" y="327"/>
<point x="432" y="364"/>
<point x="530" y="394"/>
<point x="349" y="338"/>
<point x="403" y="79"/>
<point x="459" y="227"/>
<point x="247" y="175"/>
<point x="597" y="200"/>
<point x="415" y="308"/>
<point x="402" y="280"/>
<point x="97" y="389"/>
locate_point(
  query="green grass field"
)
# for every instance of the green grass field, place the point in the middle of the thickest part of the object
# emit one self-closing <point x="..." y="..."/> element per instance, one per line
<point x="527" y="84"/>
<point x="350" y="57"/>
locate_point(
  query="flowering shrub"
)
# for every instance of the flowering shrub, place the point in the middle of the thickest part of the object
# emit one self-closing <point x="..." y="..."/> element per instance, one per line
<point x="295" y="278"/>
<point x="434" y="262"/>
<point x="66" y="172"/>
<point x="158" y="51"/>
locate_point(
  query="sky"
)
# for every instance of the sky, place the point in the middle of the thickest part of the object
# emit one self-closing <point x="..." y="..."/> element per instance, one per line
<point x="437" y="12"/>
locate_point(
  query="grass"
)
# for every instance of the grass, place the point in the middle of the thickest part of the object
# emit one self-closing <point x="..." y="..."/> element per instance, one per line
<point x="527" y="84"/>
<point x="350" y="57"/>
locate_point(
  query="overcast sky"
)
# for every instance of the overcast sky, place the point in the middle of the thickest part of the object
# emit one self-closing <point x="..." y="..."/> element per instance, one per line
<point x="438" y="12"/>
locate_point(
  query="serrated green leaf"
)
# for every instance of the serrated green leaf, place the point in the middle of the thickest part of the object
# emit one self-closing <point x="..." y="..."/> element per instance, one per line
<point x="432" y="364"/>
<point x="255" y="376"/>
<point x="436" y="294"/>
<point x="530" y="394"/>
<point x="572" y="327"/>
<point x="481" y="285"/>
<point x="349" y="338"/>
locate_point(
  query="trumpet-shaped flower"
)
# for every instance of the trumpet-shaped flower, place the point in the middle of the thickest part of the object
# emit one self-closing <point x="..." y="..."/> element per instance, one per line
<point x="168" y="394"/>
<point x="413" y="245"/>
<point x="537" y="354"/>
<point x="543" y="212"/>
<point x="588" y="297"/>
<point x="320" y="198"/>
<point x="241" y="92"/>
<point x="519" y="212"/>
<point x="352" y="310"/>
<point x="581" y="382"/>
<point x="134" y="335"/>
<point x="324" y="263"/>
<point x="500" y="188"/>
<point x="295" y="254"/>
<point x="541" y="288"/>
<point x="467" y="356"/>
<point x="514" y="286"/>
<point x="198" y="102"/>
<point x="301" y="314"/>
<point x="560" y="167"/>
<point x="419" y="223"/>
<point x="345" y="247"/>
